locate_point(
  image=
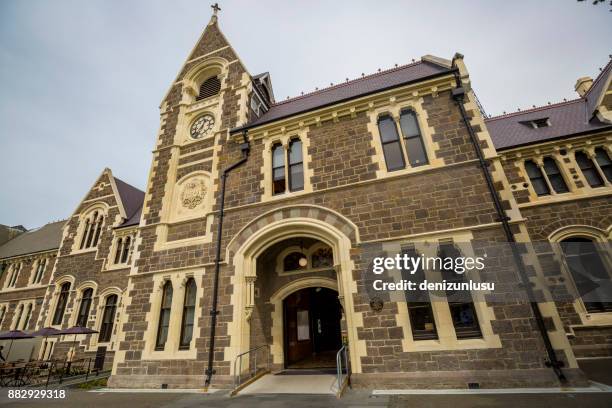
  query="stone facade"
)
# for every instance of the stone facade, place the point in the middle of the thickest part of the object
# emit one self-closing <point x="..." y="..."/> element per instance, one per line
<point x="349" y="202"/>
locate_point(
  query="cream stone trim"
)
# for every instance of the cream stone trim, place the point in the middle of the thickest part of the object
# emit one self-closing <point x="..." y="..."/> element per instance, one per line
<point x="447" y="339"/>
<point x="352" y="107"/>
<point x="394" y="109"/>
<point x="245" y="270"/>
<point x="112" y="344"/>
<point x="85" y="214"/>
<point x="19" y="324"/>
<point x="79" y="297"/>
<point x="266" y="169"/>
<point x="123" y="319"/>
<point x="4" y="307"/>
<point x="587" y="319"/>
<point x="171" y="350"/>
<point x="277" y="330"/>
<point x="54" y="298"/>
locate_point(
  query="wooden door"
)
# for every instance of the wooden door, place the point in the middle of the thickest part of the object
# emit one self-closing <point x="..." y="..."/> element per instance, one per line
<point x="298" y="330"/>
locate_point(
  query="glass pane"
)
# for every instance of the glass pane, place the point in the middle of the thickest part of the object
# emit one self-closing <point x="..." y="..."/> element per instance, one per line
<point x="409" y="124"/>
<point x="295" y="151"/>
<point x="393" y="156"/>
<point x="465" y="320"/>
<point x="532" y="169"/>
<point x="588" y="170"/>
<point x="296" y="177"/>
<point x="292" y="261"/>
<point x="422" y="321"/>
<point x="416" y="151"/>
<point x="554" y="175"/>
<point x="387" y="129"/>
<point x="278" y="157"/>
<point x="604" y="162"/>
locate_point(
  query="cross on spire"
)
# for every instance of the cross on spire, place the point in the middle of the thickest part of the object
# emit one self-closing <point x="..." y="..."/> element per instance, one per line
<point x="215" y="8"/>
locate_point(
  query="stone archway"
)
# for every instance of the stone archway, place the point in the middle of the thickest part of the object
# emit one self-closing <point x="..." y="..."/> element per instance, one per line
<point x="301" y="221"/>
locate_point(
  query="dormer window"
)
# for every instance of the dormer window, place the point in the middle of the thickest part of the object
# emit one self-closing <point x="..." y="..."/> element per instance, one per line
<point x="537" y="123"/>
<point x="122" y="250"/>
<point x="210" y="87"/>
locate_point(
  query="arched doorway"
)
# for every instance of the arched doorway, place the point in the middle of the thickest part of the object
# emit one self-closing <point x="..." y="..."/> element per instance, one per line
<point x="312" y="332"/>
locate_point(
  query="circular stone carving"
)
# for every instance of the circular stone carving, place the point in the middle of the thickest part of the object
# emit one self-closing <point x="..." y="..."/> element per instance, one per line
<point x="193" y="194"/>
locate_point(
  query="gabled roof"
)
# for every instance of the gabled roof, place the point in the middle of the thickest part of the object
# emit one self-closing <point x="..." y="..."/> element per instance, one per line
<point x="600" y="85"/>
<point x="41" y="239"/>
<point x="131" y="197"/>
<point x="377" y="82"/>
<point x="566" y="119"/>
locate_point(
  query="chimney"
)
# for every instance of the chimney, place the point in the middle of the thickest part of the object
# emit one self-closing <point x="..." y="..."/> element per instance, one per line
<point x="582" y="85"/>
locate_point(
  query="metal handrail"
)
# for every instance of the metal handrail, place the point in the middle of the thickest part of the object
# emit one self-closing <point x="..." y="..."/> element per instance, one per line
<point x="339" y="369"/>
<point x="237" y="373"/>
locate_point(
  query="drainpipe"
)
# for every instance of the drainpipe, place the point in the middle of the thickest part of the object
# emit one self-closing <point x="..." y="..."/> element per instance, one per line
<point x="458" y="95"/>
<point x="245" y="149"/>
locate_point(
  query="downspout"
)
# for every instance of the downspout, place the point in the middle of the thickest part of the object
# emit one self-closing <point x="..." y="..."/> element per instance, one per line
<point x="458" y="95"/>
<point x="245" y="149"/>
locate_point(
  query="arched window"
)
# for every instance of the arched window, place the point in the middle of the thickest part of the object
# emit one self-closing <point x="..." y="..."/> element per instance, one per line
<point x="118" y="250"/>
<point x="108" y="318"/>
<point x="394" y="158"/>
<point x="126" y="250"/>
<point x="92" y="230"/>
<point x="461" y="305"/>
<point x="188" y="314"/>
<point x="40" y="269"/>
<point x="417" y="156"/>
<point x="85" y="233"/>
<point x="554" y="175"/>
<point x="84" y="307"/>
<point x="292" y="261"/>
<point x="28" y="314"/>
<point x="16" y="274"/>
<point x="322" y="258"/>
<point x="278" y="169"/>
<point x="99" y="223"/>
<point x="296" y="166"/>
<point x="538" y="182"/>
<point x="62" y="300"/>
<point x="164" y="316"/>
<point x="588" y="271"/>
<point x="603" y="160"/>
<point x="18" y="316"/>
<point x="209" y="87"/>
<point x="589" y="170"/>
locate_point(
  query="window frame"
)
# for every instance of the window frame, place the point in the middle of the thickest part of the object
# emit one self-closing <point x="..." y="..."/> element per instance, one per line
<point x="418" y="136"/>
<point x="278" y="145"/>
<point x="166" y="289"/>
<point x="186" y="345"/>
<point x="84" y="314"/>
<point x="539" y="177"/>
<point x="290" y="164"/>
<point x="592" y="168"/>
<point x="62" y="300"/>
<point x="396" y="141"/>
<point x="106" y="327"/>
<point x="558" y="175"/>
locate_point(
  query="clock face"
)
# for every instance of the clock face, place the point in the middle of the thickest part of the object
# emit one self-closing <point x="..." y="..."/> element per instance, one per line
<point x="203" y="126"/>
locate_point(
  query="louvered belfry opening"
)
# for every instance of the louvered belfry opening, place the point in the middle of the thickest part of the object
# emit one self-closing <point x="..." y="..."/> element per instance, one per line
<point x="209" y="88"/>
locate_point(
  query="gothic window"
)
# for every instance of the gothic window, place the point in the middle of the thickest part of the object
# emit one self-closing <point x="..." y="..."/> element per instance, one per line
<point x="603" y="160"/>
<point x="587" y="270"/>
<point x="84" y="307"/>
<point x="122" y="250"/>
<point x="417" y="156"/>
<point x="188" y="314"/>
<point x="28" y="315"/>
<point x="278" y="169"/>
<point x="40" y="270"/>
<point x="460" y="303"/>
<point x="18" y="316"/>
<point x="292" y="261"/>
<point x="392" y="150"/>
<point x="15" y="276"/>
<point x="296" y="166"/>
<point x="588" y="170"/>
<point x="420" y="311"/>
<point x="108" y="318"/>
<point x="554" y="175"/>
<point x="210" y="87"/>
<point x="538" y="182"/>
<point x="92" y="230"/>
<point x="164" y="316"/>
<point x="62" y="300"/>
<point x="322" y="258"/>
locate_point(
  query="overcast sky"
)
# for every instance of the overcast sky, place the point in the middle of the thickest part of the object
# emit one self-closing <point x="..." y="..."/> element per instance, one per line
<point x="81" y="81"/>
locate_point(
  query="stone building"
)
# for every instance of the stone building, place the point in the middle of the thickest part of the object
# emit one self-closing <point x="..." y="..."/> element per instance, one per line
<point x="307" y="189"/>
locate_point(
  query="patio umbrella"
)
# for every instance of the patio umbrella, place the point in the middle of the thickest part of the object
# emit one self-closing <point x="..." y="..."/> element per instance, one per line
<point x="76" y="330"/>
<point x="14" y="335"/>
<point x="46" y="332"/>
